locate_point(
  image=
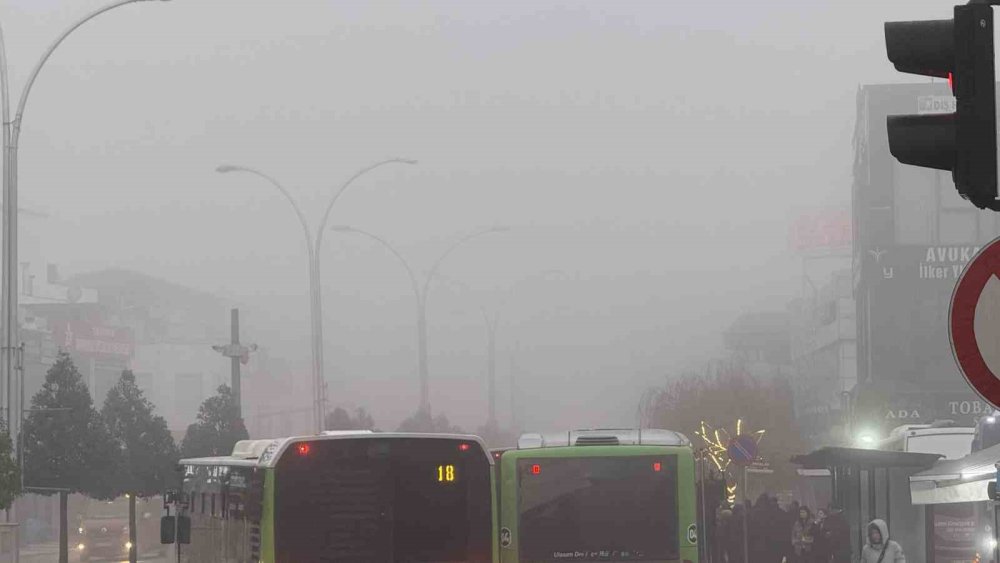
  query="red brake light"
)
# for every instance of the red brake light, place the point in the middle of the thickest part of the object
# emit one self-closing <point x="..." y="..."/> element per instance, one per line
<point x="463" y="447"/>
<point x="656" y="466"/>
<point x="536" y="469"/>
<point x="951" y="82"/>
<point x="303" y="449"/>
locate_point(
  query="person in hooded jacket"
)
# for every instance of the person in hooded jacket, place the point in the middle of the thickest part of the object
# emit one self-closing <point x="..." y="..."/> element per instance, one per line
<point x="879" y="548"/>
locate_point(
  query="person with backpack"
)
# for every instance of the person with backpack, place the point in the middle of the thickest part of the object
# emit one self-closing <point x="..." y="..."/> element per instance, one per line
<point x="879" y="548"/>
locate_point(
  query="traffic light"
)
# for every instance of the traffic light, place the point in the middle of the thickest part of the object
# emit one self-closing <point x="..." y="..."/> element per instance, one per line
<point x="963" y="142"/>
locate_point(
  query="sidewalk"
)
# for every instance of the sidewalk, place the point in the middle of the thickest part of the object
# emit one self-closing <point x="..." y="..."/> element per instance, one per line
<point x="41" y="553"/>
<point x="49" y="553"/>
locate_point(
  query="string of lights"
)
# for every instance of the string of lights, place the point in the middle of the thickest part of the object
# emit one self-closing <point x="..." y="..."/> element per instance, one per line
<point x="716" y="442"/>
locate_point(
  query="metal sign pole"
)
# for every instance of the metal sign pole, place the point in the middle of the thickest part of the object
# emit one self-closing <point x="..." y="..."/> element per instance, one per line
<point x="746" y="515"/>
<point x="703" y="530"/>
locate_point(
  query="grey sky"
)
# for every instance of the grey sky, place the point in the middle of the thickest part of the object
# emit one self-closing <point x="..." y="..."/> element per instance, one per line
<point x="656" y="149"/>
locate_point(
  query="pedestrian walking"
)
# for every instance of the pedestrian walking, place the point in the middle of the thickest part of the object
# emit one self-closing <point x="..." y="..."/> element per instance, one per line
<point x="802" y="536"/>
<point x="735" y="549"/>
<point x="724" y="531"/>
<point x="821" y="545"/>
<point x="838" y="536"/>
<point x="879" y="548"/>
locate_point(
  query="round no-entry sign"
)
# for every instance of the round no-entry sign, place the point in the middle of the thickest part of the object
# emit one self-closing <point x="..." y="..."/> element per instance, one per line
<point x="974" y="323"/>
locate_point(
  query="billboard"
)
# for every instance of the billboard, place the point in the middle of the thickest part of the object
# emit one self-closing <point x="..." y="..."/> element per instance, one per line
<point x="820" y="231"/>
<point x="91" y="340"/>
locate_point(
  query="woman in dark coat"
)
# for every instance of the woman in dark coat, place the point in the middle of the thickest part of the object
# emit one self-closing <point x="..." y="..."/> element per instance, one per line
<point x="821" y="547"/>
<point x="838" y="536"/>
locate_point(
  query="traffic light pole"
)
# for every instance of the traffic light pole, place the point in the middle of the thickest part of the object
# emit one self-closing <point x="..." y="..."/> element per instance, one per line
<point x="964" y="143"/>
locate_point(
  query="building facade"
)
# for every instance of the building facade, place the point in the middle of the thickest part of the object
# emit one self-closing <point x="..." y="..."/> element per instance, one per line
<point x="913" y="235"/>
<point x="824" y="356"/>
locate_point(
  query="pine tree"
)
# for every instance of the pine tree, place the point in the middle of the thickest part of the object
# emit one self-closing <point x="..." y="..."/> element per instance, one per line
<point x="147" y="449"/>
<point x="10" y="475"/>
<point x="218" y="427"/>
<point x="422" y="421"/>
<point x="68" y="449"/>
<point x="67" y="445"/>
<point x="340" y="419"/>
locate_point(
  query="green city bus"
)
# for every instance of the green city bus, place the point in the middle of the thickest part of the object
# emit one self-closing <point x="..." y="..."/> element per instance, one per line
<point x="338" y="496"/>
<point x="598" y="495"/>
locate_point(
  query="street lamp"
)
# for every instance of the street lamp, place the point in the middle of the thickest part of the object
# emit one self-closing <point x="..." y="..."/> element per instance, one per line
<point x="420" y="291"/>
<point x="313" y="246"/>
<point x="492" y="324"/>
<point x="8" y="286"/>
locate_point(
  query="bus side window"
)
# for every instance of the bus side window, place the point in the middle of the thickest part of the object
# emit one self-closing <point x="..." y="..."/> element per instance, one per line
<point x="253" y="506"/>
<point x="235" y="510"/>
<point x="213" y="503"/>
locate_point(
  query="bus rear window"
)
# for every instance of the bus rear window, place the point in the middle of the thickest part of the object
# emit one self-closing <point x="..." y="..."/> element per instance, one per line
<point x="598" y="509"/>
<point x="383" y="500"/>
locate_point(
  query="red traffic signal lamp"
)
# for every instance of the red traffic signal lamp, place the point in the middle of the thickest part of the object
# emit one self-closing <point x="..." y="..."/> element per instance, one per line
<point x="964" y="142"/>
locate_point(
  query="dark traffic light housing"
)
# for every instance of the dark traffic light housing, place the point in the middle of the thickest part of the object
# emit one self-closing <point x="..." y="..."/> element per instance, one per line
<point x="963" y="142"/>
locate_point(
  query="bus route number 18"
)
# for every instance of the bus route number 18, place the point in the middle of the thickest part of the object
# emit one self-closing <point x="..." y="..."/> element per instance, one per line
<point x="446" y="473"/>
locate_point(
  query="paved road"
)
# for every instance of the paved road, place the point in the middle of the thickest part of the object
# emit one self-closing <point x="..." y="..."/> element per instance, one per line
<point x="49" y="553"/>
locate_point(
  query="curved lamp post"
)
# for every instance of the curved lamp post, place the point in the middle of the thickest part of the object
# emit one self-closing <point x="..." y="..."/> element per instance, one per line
<point x="312" y="247"/>
<point x="420" y="292"/>
<point x="8" y="286"/>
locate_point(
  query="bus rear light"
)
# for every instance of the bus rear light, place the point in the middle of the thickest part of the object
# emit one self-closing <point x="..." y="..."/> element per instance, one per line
<point x="303" y="449"/>
<point x="463" y="447"/>
<point x="536" y="469"/>
<point x="657" y="466"/>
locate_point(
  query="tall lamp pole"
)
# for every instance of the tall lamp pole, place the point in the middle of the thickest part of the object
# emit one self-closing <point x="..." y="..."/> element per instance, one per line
<point x="492" y="326"/>
<point x="8" y="286"/>
<point x="312" y="247"/>
<point x="420" y="292"/>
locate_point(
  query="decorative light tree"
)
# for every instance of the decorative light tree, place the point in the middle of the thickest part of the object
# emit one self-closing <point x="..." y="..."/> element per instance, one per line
<point x="717" y="449"/>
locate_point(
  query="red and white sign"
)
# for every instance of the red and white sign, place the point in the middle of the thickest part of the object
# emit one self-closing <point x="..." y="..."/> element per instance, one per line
<point x="974" y="323"/>
<point x="93" y="340"/>
<point x="821" y="230"/>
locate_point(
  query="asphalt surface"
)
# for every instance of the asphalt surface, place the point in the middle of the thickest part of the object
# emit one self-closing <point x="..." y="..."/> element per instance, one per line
<point x="49" y="553"/>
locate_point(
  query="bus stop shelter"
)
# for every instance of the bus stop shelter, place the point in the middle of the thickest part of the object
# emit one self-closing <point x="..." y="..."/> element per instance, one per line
<point x="862" y="485"/>
<point x="958" y="480"/>
<point x="955" y="497"/>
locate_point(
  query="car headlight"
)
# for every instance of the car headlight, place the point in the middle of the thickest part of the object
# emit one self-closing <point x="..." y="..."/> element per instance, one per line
<point x="80" y="529"/>
<point x="81" y="547"/>
<point x="128" y="545"/>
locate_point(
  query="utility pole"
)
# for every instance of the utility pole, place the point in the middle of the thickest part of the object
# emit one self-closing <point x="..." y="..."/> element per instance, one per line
<point x="491" y="332"/>
<point x="513" y="388"/>
<point x="238" y="354"/>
